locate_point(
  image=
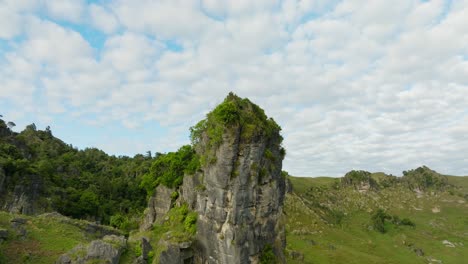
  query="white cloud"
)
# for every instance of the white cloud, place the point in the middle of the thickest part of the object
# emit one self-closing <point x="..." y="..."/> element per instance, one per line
<point x="103" y="19"/>
<point x="10" y="23"/>
<point x="237" y="7"/>
<point x="166" y="19"/>
<point x="68" y="10"/>
<point x="131" y="52"/>
<point x="355" y="85"/>
<point x="52" y="45"/>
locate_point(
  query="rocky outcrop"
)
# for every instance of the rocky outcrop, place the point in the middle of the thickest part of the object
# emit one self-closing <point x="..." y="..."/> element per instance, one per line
<point x="25" y="197"/>
<point x="362" y="181"/>
<point x="146" y="248"/>
<point x="239" y="196"/>
<point x="176" y="253"/>
<point x="107" y="250"/>
<point x="423" y="179"/>
<point x="238" y="192"/>
<point x="158" y="206"/>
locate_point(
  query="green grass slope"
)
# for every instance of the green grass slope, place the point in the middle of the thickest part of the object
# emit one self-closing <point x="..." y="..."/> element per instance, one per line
<point x="331" y="223"/>
<point x="45" y="237"/>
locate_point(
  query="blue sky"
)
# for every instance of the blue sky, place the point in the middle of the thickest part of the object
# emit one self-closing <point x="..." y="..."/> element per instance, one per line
<point x="380" y="85"/>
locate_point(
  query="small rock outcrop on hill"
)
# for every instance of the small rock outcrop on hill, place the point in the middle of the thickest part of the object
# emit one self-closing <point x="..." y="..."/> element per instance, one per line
<point x="423" y="178"/>
<point x="237" y="192"/>
<point x="107" y="250"/>
<point x="361" y="180"/>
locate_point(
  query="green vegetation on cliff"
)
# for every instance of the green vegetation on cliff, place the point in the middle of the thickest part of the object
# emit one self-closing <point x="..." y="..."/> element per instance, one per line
<point x="233" y="113"/>
<point x="169" y="169"/>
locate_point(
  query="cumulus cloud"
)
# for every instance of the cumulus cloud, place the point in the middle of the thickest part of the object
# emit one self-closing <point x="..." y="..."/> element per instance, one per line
<point x="103" y="19"/>
<point x="68" y="10"/>
<point x="380" y="85"/>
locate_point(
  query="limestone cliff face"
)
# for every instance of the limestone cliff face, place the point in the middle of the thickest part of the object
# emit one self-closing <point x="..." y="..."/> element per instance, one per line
<point x="239" y="192"/>
<point x="158" y="206"/>
<point x="25" y="197"/>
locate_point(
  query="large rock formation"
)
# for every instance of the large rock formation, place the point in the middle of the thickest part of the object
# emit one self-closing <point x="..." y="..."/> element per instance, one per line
<point x="25" y="198"/>
<point x="238" y="192"/>
<point x="158" y="206"/>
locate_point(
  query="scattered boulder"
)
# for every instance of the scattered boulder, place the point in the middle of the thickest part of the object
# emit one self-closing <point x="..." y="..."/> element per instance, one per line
<point x="419" y="252"/>
<point x="433" y="260"/>
<point x="18" y="225"/>
<point x="107" y="250"/>
<point x="3" y="234"/>
<point x="295" y="255"/>
<point x="175" y="253"/>
<point x="18" y="221"/>
<point x="448" y="243"/>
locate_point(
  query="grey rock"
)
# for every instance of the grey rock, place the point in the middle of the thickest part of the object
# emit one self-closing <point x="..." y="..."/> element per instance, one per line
<point x="18" y="221"/>
<point x="74" y="256"/>
<point x="174" y="254"/>
<point x="64" y="259"/>
<point x="238" y="195"/>
<point x="3" y="234"/>
<point x="24" y="198"/>
<point x="18" y="225"/>
<point x="296" y="255"/>
<point x="419" y="252"/>
<point x="145" y="248"/>
<point x="241" y="202"/>
<point x="140" y="260"/>
<point x="107" y="250"/>
<point x="159" y="204"/>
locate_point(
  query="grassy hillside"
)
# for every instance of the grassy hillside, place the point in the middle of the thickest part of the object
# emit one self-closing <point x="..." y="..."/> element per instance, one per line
<point x="42" y="239"/>
<point x="328" y="222"/>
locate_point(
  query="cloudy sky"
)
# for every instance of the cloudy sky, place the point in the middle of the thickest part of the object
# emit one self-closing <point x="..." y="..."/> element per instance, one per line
<point x="377" y="85"/>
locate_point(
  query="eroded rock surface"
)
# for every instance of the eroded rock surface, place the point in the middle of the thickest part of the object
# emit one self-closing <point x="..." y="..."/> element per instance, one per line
<point x="238" y="192"/>
<point x="158" y="206"/>
<point x="239" y="196"/>
<point x="107" y="250"/>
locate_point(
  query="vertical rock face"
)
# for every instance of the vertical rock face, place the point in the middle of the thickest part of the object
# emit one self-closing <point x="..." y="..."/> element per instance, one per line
<point x="239" y="194"/>
<point x="25" y="197"/>
<point x="158" y="206"/>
